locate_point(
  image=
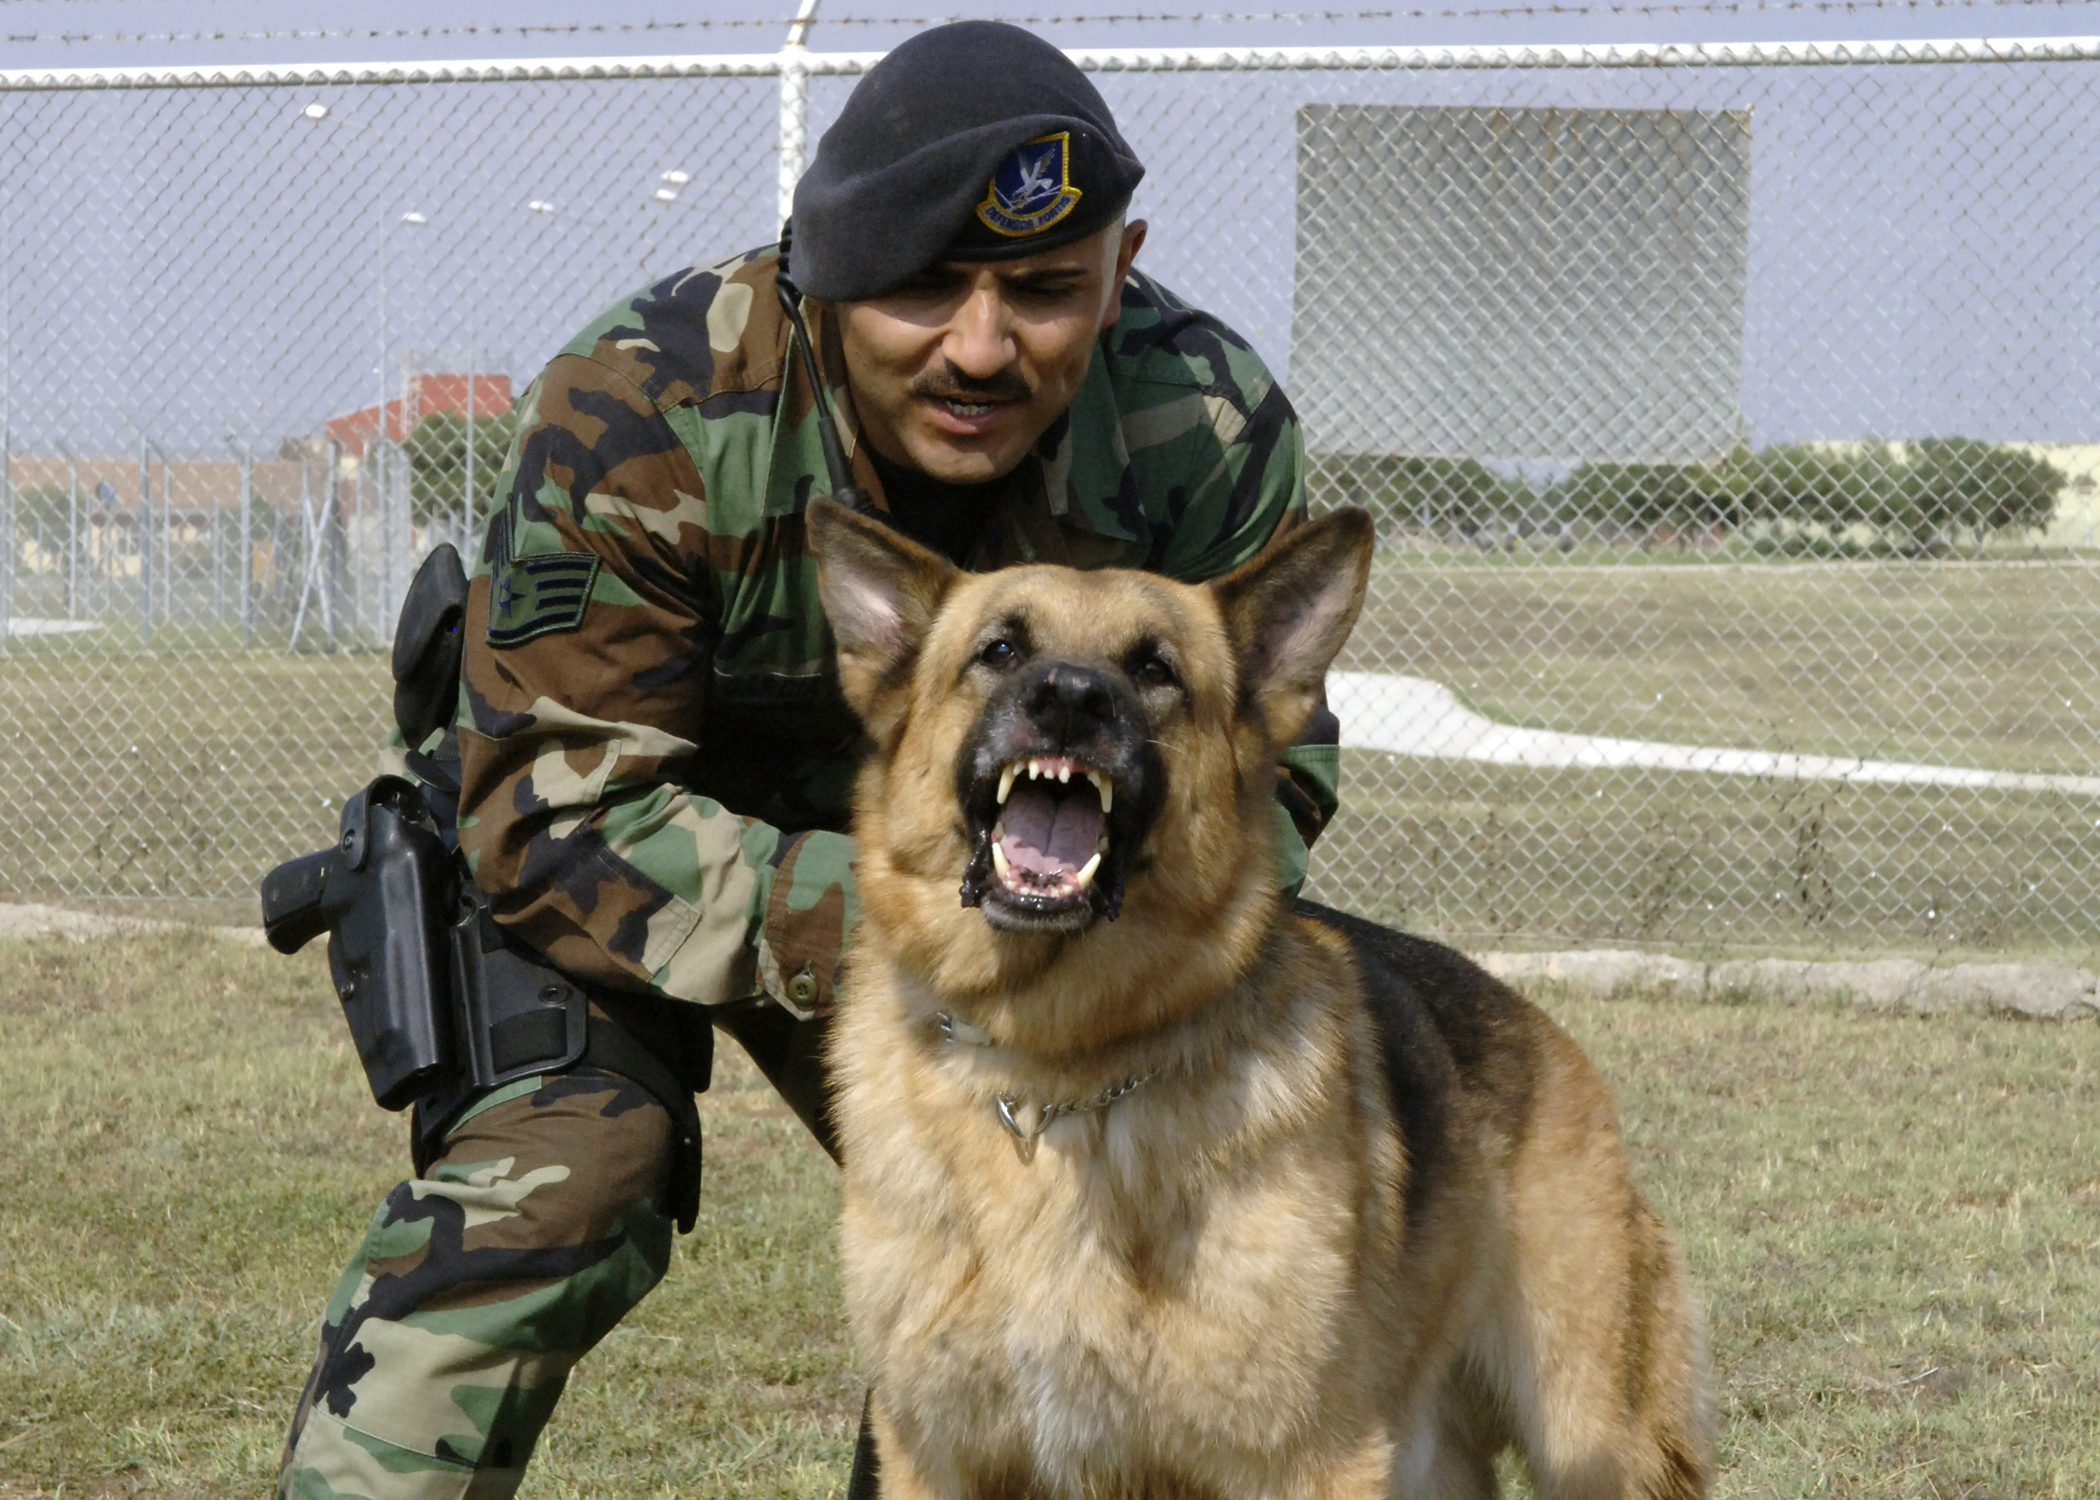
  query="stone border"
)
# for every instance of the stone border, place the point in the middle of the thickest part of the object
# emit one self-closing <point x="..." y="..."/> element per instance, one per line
<point x="2043" y="990"/>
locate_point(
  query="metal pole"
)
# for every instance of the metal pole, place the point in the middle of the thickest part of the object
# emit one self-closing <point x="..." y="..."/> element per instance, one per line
<point x="218" y="570"/>
<point x="7" y="426"/>
<point x="331" y="548"/>
<point x="72" y="530"/>
<point x="380" y="434"/>
<point x="244" y="548"/>
<point x="145" y="550"/>
<point x="167" y="537"/>
<point x="165" y="573"/>
<point x="7" y="535"/>
<point x="794" y="106"/>
<point x="466" y="499"/>
<point x="306" y="529"/>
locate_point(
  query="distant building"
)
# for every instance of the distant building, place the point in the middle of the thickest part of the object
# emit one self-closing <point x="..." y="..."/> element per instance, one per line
<point x="427" y="396"/>
<point x="1552" y="285"/>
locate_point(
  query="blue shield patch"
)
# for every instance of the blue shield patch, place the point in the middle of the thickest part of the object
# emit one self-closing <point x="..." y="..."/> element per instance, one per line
<point x="1032" y="189"/>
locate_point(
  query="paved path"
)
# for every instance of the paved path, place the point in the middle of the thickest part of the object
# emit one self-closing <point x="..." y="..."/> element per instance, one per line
<point x="2052" y="990"/>
<point x="1411" y="716"/>
<point x="2045" y="989"/>
<point x="25" y="627"/>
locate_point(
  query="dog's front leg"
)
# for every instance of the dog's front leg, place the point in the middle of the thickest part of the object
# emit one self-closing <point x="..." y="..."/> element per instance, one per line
<point x="901" y="1476"/>
<point x="1366" y="1473"/>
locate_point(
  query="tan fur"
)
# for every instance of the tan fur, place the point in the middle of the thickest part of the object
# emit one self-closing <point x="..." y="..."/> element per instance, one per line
<point x="1212" y="1288"/>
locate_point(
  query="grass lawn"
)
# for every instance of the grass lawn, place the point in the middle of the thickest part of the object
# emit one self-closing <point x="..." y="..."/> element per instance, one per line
<point x="1895" y="1224"/>
<point x="1986" y="665"/>
<point x="136" y="778"/>
<point x="168" y="781"/>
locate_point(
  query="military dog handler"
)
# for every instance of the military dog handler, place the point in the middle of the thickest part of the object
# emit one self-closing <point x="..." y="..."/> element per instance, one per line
<point x="654" y="763"/>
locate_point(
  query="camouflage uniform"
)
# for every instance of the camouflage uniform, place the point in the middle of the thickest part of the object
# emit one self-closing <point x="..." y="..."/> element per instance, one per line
<point x="657" y="772"/>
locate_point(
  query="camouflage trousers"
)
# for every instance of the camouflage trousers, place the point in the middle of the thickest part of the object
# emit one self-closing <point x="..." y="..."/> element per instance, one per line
<point x="477" y="1288"/>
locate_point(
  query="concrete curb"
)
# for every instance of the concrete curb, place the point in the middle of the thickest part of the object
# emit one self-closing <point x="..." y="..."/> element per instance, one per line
<point x="2046" y="991"/>
<point x="29" y="921"/>
<point x="2043" y="990"/>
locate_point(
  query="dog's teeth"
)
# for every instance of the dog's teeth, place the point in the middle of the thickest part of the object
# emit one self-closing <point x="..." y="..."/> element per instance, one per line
<point x="1064" y="774"/>
<point x="1006" y="782"/>
<point x="1105" y="787"/>
<point x="1101" y="844"/>
<point x="999" y="833"/>
<point x="1086" y="872"/>
<point x="1035" y="768"/>
<point x="1006" y="871"/>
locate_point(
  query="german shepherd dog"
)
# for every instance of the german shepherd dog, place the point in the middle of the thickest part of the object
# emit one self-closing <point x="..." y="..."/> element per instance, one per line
<point x="1156" y="1186"/>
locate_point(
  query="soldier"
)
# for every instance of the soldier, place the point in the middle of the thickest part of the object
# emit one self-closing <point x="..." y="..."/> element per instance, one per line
<point x="655" y="763"/>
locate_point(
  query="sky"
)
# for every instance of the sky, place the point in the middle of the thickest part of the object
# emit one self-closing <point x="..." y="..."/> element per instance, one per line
<point x="1923" y="245"/>
<point x="131" y="33"/>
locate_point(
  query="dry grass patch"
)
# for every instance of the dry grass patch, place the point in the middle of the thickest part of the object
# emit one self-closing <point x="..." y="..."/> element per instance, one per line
<point x="1893" y="1222"/>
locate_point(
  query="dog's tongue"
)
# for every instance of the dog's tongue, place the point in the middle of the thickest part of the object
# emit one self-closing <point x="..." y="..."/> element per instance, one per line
<point x="1048" y="834"/>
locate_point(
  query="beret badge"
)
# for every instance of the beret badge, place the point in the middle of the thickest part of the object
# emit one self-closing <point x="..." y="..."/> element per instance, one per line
<point x="1031" y="189"/>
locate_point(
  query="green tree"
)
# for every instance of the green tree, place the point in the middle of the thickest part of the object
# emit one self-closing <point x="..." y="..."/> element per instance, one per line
<point x="1959" y="482"/>
<point x="1435" y="494"/>
<point x="1819" y="485"/>
<point x="1643" y="497"/>
<point x="437" y="453"/>
<point x="1918" y="494"/>
<point x="46" y="503"/>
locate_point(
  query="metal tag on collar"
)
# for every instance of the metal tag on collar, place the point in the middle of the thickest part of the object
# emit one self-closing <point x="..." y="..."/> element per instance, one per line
<point x="1025" y="1123"/>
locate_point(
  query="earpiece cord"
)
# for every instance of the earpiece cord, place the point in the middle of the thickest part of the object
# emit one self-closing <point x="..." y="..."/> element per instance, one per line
<point x="843" y="489"/>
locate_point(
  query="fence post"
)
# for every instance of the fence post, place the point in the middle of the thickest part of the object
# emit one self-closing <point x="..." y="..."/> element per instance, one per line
<point x="466" y="506"/>
<point x="794" y="106"/>
<point x="244" y="548"/>
<point x="167" y="538"/>
<point x="72" y="530"/>
<point x="7" y="536"/>
<point x="306" y="530"/>
<point x="145" y="549"/>
<point x="335" y="547"/>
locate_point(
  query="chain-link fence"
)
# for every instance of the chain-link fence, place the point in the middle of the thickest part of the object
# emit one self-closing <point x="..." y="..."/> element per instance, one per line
<point x="1723" y="411"/>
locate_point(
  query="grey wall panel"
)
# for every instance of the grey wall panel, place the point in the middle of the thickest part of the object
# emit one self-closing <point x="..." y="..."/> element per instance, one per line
<point x="1521" y="283"/>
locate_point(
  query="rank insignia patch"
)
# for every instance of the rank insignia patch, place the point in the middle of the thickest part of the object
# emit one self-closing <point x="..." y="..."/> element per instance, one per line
<point x="535" y="596"/>
<point x="1032" y="189"/>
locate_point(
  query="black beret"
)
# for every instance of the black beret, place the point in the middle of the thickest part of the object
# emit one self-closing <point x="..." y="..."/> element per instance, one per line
<point x="972" y="141"/>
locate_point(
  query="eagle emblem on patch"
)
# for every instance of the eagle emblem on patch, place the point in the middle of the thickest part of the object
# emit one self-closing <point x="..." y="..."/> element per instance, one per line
<point x="1032" y="189"/>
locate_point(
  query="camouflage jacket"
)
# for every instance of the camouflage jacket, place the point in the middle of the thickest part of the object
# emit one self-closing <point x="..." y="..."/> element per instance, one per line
<point x="657" y="763"/>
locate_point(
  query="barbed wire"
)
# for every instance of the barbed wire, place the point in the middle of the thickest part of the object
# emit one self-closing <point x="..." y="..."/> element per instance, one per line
<point x="1327" y="17"/>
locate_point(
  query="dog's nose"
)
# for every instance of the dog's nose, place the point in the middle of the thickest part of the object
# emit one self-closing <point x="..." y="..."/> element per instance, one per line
<point x="1068" y="700"/>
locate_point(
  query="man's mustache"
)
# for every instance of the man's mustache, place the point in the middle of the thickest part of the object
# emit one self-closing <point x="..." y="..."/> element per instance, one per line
<point x="951" y="384"/>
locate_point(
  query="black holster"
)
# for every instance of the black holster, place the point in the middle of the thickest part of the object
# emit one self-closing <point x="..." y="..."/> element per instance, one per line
<point x="442" y="1004"/>
<point x="383" y="895"/>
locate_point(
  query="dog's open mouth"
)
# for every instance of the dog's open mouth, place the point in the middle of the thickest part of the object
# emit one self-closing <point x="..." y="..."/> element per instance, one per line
<point x="1047" y="844"/>
<point x="1052" y="829"/>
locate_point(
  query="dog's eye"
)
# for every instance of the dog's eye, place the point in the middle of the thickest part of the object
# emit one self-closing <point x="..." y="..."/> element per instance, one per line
<point x="998" y="655"/>
<point x="1154" y="671"/>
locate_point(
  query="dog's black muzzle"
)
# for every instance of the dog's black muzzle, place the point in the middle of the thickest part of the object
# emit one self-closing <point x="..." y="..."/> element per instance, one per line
<point x="1061" y="767"/>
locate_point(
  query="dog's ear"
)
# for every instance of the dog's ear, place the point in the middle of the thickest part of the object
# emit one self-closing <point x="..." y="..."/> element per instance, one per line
<point x="880" y="591"/>
<point x="1288" y="612"/>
